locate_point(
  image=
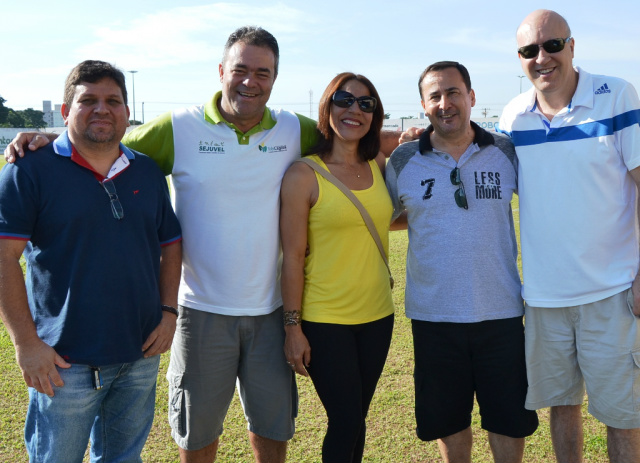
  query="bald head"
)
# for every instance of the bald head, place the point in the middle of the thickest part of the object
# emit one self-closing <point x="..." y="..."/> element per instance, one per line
<point x="549" y="67"/>
<point x="543" y="19"/>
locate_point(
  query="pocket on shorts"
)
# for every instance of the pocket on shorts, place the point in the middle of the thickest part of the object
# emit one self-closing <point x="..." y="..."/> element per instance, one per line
<point x="630" y="302"/>
<point x="636" y="380"/>
<point x="177" y="405"/>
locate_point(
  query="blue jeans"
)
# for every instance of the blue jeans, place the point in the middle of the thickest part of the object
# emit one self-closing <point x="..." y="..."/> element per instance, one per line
<point x="117" y="417"/>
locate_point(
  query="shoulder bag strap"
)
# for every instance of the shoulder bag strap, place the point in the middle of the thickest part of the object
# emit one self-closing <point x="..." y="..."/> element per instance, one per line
<point x="356" y="202"/>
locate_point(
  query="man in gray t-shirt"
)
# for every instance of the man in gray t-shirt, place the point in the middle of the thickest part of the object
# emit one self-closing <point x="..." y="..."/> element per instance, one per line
<point x="463" y="289"/>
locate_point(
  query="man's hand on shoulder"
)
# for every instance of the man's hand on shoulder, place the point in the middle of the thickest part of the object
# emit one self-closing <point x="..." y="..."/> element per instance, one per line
<point x="38" y="363"/>
<point x="412" y="133"/>
<point x="32" y="140"/>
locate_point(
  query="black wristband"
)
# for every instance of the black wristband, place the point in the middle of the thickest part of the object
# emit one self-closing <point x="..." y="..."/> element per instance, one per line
<point x="168" y="308"/>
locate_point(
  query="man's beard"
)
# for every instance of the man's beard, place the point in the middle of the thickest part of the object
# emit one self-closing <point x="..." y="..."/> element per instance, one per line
<point x="100" y="137"/>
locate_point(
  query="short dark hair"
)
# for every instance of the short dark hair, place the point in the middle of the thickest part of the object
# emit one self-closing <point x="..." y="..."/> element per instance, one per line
<point x="440" y="66"/>
<point x="256" y="36"/>
<point x="369" y="145"/>
<point x="92" y="71"/>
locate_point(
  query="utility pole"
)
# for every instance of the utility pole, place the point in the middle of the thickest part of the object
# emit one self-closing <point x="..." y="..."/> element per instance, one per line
<point x="133" y="85"/>
<point x="521" y="77"/>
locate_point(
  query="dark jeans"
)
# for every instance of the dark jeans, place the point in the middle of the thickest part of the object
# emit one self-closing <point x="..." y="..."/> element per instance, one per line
<point x="346" y="363"/>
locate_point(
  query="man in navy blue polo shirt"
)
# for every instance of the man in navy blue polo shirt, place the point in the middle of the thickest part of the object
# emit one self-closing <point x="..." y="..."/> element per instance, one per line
<point x="103" y="252"/>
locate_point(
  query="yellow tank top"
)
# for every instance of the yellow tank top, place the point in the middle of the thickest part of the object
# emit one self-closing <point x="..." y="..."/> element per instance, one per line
<point x="346" y="281"/>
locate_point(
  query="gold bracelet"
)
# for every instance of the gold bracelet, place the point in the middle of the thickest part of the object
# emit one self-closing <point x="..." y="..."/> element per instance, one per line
<point x="292" y="318"/>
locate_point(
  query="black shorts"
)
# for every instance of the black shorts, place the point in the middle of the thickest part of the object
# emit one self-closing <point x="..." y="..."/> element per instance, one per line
<point x="455" y="360"/>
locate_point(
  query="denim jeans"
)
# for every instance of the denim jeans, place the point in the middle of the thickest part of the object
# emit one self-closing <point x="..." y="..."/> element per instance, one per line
<point x="117" y="418"/>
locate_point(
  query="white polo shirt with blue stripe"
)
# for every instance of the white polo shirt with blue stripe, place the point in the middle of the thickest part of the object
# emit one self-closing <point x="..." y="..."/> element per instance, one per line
<point x="578" y="223"/>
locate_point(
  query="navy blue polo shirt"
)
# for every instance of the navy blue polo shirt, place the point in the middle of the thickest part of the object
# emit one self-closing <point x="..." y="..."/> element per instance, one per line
<point x="92" y="280"/>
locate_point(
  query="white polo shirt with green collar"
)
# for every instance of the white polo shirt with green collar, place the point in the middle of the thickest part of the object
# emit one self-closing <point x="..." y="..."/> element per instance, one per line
<point x="226" y="189"/>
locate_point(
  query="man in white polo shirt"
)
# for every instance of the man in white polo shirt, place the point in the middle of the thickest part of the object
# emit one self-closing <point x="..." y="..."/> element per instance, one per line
<point x="578" y="143"/>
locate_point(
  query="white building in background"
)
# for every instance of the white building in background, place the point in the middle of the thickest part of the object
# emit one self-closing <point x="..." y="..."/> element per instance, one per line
<point x="52" y="117"/>
<point x="48" y="114"/>
<point x="401" y="125"/>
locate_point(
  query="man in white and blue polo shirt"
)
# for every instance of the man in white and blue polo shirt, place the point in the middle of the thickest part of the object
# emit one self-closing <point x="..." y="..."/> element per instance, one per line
<point x="102" y="247"/>
<point x="578" y="142"/>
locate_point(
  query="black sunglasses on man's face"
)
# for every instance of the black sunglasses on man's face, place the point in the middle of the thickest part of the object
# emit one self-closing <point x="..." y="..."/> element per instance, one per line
<point x="550" y="46"/>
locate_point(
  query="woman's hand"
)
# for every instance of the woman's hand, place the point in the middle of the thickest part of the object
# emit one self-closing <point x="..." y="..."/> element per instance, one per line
<point x="297" y="349"/>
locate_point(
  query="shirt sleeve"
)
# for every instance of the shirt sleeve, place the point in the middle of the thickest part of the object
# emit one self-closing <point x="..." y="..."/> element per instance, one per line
<point x="391" y="180"/>
<point x="155" y="139"/>
<point x="19" y="207"/>
<point x="501" y="126"/>
<point x="308" y="134"/>
<point x="169" y="230"/>
<point x="627" y="126"/>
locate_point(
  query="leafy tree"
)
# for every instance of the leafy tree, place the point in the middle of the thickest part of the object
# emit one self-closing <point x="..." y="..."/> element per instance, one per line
<point x="14" y="119"/>
<point x="32" y="118"/>
<point x="4" y="111"/>
<point x="387" y="115"/>
<point x="29" y="118"/>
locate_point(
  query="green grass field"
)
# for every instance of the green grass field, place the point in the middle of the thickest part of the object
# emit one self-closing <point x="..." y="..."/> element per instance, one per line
<point x="390" y="435"/>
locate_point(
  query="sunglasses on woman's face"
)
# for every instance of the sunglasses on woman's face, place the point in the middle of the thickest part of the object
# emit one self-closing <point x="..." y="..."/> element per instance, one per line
<point x="550" y="46"/>
<point x="344" y="99"/>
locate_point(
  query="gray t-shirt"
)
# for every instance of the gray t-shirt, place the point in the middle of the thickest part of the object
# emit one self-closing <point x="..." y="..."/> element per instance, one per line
<point x="461" y="263"/>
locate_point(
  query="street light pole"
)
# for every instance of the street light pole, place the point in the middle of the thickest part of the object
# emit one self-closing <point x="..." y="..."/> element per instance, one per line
<point x="133" y="85"/>
<point x="521" y="77"/>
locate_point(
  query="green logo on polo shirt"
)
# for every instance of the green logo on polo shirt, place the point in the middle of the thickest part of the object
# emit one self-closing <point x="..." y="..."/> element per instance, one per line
<point x="271" y="149"/>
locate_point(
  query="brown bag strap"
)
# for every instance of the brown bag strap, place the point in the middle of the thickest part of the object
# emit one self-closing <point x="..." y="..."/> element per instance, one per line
<point x="356" y="202"/>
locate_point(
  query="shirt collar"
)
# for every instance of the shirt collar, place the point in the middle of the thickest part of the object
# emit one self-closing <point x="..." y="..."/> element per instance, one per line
<point x="212" y="115"/>
<point x="481" y="137"/>
<point x="581" y="97"/>
<point x="584" y="94"/>
<point x="62" y="146"/>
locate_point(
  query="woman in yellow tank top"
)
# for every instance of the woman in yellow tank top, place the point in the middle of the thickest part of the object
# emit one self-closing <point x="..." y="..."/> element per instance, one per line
<point x="337" y="299"/>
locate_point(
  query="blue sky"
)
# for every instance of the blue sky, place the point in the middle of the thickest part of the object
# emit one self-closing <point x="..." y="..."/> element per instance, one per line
<point x="176" y="49"/>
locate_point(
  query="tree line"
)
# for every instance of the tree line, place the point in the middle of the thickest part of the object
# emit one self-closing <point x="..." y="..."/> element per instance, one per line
<point x="29" y="118"/>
